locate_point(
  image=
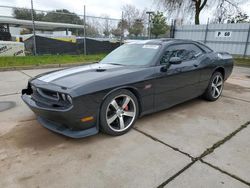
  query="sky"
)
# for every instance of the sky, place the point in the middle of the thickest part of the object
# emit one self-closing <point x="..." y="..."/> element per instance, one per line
<point x="97" y="7"/>
<point x="93" y="7"/>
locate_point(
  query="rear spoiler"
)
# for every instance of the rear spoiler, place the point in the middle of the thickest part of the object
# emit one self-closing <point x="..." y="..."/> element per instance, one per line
<point x="224" y="55"/>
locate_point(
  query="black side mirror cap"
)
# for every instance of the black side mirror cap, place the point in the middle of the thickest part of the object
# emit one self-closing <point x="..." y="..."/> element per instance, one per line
<point x="175" y="60"/>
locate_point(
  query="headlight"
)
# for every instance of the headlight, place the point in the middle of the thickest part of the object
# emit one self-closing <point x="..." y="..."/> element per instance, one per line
<point x="69" y="99"/>
<point x="63" y="97"/>
<point x="66" y="98"/>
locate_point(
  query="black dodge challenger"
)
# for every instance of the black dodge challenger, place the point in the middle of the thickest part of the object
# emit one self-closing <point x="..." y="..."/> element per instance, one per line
<point x="137" y="78"/>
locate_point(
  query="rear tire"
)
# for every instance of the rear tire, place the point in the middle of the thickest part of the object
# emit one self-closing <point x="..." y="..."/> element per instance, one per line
<point x="119" y="112"/>
<point x="215" y="87"/>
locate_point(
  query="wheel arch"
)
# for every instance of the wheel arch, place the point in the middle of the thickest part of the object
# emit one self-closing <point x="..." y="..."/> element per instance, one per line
<point x="221" y="70"/>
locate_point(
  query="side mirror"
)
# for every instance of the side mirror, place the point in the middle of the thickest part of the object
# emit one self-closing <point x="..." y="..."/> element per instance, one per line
<point x="175" y="60"/>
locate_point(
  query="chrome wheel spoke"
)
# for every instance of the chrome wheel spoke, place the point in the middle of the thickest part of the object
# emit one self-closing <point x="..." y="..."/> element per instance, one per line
<point x="121" y="122"/>
<point x="217" y="90"/>
<point x="112" y="119"/>
<point x="128" y="113"/>
<point x="213" y="91"/>
<point x="114" y="104"/>
<point x="219" y="83"/>
<point x="126" y="101"/>
<point x="216" y="79"/>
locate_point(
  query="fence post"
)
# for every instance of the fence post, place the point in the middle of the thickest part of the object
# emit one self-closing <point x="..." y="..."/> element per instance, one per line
<point x="122" y="30"/>
<point x="33" y="28"/>
<point x="172" y="29"/>
<point x="248" y="33"/>
<point x="84" y="32"/>
<point x="205" y="39"/>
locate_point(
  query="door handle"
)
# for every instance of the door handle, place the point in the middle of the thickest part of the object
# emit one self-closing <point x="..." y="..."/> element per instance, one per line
<point x="196" y="65"/>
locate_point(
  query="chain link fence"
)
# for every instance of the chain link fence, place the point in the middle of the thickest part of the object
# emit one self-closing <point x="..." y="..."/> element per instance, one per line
<point x="58" y="32"/>
<point x="61" y="31"/>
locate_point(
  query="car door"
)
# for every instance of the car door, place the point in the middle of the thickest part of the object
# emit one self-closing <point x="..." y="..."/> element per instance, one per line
<point x="176" y="83"/>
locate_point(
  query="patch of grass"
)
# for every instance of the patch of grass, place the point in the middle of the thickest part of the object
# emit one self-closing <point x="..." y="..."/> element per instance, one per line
<point x="242" y="61"/>
<point x="48" y="59"/>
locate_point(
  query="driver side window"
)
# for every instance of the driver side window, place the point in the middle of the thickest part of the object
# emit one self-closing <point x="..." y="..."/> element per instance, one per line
<point x="184" y="51"/>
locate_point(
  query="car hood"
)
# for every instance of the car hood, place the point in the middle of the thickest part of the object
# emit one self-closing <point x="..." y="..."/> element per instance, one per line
<point x="83" y="75"/>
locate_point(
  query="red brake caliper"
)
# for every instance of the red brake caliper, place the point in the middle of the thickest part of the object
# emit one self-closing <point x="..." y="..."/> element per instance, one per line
<point x="126" y="108"/>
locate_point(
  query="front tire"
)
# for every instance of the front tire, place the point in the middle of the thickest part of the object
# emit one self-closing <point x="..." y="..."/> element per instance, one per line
<point x="119" y="112"/>
<point x="215" y="87"/>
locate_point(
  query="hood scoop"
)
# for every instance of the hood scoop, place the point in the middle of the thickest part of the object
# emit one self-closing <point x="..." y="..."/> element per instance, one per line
<point x="100" y="69"/>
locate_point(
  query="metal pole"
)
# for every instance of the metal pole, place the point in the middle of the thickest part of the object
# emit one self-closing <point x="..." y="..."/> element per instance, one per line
<point x="108" y="28"/>
<point x="205" y="39"/>
<point x="149" y="23"/>
<point x="172" y="29"/>
<point x="84" y="33"/>
<point x="122" y="30"/>
<point x="149" y="26"/>
<point x="247" y="41"/>
<point x="33" y="27"/>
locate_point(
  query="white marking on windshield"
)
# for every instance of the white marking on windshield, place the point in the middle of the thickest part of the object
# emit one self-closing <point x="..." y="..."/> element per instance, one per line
<point x="155" y="47"/>
<point x="138" y="41"/>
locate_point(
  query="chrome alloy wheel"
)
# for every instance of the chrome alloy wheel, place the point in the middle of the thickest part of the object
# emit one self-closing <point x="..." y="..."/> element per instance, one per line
<point x="121" y="113"/>
<point x="217" y="86"/>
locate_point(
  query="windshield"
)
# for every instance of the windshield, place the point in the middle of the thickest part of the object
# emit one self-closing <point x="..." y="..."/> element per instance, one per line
<point x="132" y="54"/>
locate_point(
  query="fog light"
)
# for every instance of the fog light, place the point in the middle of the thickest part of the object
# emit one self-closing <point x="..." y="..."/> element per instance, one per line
<point x="86" y="119"/>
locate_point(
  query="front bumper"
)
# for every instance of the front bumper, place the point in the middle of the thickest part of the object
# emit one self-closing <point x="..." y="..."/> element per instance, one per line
<point x="66" y="122"/>
<point x="58" y="128"/>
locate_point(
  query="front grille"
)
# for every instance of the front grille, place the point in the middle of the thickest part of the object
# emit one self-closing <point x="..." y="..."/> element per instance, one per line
<point x="48" y="98"/>
<point x="48" y="94"/>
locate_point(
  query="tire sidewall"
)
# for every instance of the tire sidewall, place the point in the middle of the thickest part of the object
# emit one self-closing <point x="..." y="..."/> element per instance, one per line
<point x="104" y="127"/>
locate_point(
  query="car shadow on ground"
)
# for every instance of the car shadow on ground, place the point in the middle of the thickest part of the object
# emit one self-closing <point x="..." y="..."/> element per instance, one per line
<point x="30" y="134"/>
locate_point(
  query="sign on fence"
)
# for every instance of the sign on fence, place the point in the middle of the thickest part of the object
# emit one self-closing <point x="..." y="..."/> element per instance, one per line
<point x="9" y="48"/>
<point x="223" y="34"/>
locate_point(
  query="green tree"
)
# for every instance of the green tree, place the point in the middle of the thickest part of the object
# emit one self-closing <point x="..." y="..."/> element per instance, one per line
<point x="136" y="28"/>
<point x="62" y="16"/>
<point x="65" y="16"/>
<point x="159" y="25"/>
<point x="25" y="14"/>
